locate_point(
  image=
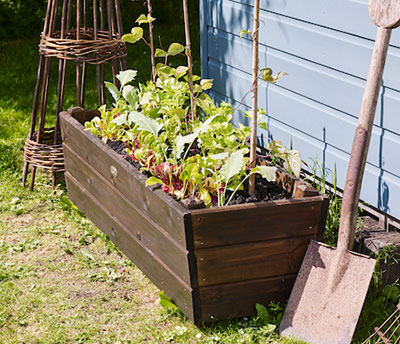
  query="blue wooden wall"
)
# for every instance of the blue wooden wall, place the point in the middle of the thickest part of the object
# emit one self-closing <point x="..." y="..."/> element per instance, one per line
<point x="325" y="46"/>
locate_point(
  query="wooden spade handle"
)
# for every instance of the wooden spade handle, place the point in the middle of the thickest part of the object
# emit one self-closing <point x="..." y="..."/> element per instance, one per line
<point x="355" y="171"/>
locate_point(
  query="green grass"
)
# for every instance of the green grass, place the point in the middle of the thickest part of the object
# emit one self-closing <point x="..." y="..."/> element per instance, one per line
<point x="61" y="280"/>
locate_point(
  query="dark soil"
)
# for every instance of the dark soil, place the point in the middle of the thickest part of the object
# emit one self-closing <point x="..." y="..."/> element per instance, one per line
<point x="264" y="191"/>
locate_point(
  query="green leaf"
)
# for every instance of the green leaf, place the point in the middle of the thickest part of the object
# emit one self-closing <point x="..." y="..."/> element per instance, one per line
<point x="167" y="303"/>
<point x="232" y="166"/>
<point x="262" y="125"/>
<point x="262" y="312"/>
<point x="175" y="49"/>
<point x="293" y="159"/>
<point x="144" y="123"/>
<point x="266" y="75"/>
<point x="130" y="94"/>
<point x="267" y="172"/>
<point x="219" y="156"/>
<point x="120" y="120"/>
<point x="142" y="19"/>
<point x="206" y="84"/>
<point x="126" y="76"/>
<point x="205" y="197"/>
<point x="116" y="94"/>
<point x="160" y="53"/>
<point x="244" y="32"/>
<point x="205" y="102"/>
<point x="182" y="140"/>
<point x="150" y="19"/>
<point x="164" y="71"/>
<point x="133" y="37"/>
<point x="180" y="71"/>
<point x="276" y="147"/>
<point x="153" y="181"/>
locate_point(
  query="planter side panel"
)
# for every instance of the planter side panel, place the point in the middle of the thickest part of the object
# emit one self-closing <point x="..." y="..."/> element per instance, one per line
<point x="142" y="228"/>
<point x="154" y="268"/>
<point x="258" y="222"/>
<point x="239" y="299"/>
<point x="113" y="195"/>
<point x="245" y="262"/>
<point x="163" y="210"/>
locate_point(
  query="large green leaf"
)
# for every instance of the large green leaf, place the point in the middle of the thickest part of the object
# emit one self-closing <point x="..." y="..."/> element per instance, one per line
<point x="126" y="76"/>
<point x="276" y="147"/>
<point x="153" y="181"/>
<point x="206" y="84"/>
<point x="133" y="37"/>
<point x="293" y="159"/>
<point x="181" y="71"/>
<point x="164" y="71"/>
<point x="232" y="166"/>
<point x="130" y="94"/>
<point x="142" y="19"/>
<point x="205" y="102"/>
<point x="267" y="172"/>
<point x="120" y="120"/>
<point x="160" y="53"/>
<point x="175" y="49"/>
<point x="116" y="94"/>
<point x="144" y="123"/>
<point x="266" y="75"/>
<point x="182" y="140"/>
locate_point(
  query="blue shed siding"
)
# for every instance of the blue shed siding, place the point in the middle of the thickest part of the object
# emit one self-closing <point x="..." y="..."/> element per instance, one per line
<point x="325" y="46"/>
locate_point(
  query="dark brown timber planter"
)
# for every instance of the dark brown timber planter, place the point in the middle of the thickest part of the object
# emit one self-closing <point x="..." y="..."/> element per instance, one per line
<point x="214" y="263"/>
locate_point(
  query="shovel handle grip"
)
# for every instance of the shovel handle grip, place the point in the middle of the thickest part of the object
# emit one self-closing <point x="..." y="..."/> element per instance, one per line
<point x="362" y="137"/>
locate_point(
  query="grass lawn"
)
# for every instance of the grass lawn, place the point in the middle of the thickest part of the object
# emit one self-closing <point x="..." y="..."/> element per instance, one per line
<point x="61" y="280"/>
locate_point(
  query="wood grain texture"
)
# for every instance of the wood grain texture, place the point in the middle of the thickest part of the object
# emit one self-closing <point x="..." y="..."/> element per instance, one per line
<point x="385" y="13"/>
<point x="256" y="222"/>
<point x="151" y="235"/>
<point x="160" y="207"/>
<point x="239" y="299"/>
<point x="250" y="261"/>
<point x="362" y="138"/>
<point x="142" y="257"/>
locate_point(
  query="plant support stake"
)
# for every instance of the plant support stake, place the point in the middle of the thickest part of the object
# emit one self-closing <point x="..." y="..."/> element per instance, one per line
<point x="153" y="65"/>
<point x="253" y="126"/>
<point x="189" y="59"/>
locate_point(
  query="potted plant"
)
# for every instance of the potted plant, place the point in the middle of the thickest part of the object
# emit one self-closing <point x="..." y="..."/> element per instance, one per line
<point x="185" y="212"/>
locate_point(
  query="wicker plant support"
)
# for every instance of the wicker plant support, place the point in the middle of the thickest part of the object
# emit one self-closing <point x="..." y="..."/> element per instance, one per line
<point x="94" y="38"/>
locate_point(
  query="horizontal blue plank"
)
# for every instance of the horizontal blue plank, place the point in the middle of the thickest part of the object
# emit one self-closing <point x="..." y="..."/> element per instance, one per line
<point x="379" y="187"/>
<point x="343" y="15"/>
<point x="312" y="118"/>
<point x="334" y="49"/>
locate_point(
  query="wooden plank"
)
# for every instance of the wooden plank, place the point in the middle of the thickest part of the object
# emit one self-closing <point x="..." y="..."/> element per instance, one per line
<point x="354" y="16"/>
<point x="244" y="262"/>
<point x="256" y="222"/>
<point x="338" y="50"/>
<point x="144" y="259"/>
<point x="160" y="207"/>
<point x="150" y="234"/>
<point x="239" y="299"/>
<point x="317" y="120"/>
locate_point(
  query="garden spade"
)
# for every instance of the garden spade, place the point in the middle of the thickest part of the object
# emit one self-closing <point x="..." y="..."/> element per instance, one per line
<point x="332" y="283"/>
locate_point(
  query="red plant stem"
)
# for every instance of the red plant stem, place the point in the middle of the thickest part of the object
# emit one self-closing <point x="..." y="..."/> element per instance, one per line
<point x="153" y="65"/>
<point x="189" y="59"/>
<point x="253" y="141"/>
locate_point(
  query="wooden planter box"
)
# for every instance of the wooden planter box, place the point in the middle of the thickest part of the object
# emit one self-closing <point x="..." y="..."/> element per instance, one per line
<point x="213" y="263"/>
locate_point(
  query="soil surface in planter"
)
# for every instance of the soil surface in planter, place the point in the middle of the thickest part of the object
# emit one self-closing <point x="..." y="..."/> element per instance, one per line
<point x="264" y="190"/>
